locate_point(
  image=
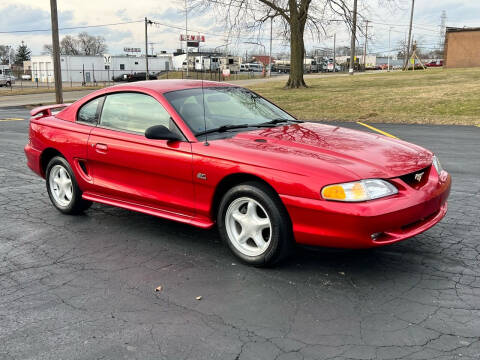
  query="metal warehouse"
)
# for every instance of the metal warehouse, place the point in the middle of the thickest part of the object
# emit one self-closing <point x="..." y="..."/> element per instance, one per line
<point x="81" y="68"/>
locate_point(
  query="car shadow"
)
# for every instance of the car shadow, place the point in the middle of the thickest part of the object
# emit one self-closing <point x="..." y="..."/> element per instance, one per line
<point x="402" y="257"/>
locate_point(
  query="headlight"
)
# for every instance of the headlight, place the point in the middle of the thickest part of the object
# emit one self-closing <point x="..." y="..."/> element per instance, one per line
<point x="437" y="165"/>
<point x="362" y="190"/>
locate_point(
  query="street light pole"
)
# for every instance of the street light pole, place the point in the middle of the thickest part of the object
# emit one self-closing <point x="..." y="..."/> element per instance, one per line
<point x="354" y="31"/>
<point x="56" y="53"/>
<point x="334" y="52"/>
<point x="146" y="48"/>
<point x="186" y="34"/>
<point x="365" y="49"/>
<point x="270" y="55"/>
<point x="389" y="47"/>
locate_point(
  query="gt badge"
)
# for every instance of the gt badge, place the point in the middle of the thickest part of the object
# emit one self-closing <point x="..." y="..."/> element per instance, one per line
<point x="201" y="176"/>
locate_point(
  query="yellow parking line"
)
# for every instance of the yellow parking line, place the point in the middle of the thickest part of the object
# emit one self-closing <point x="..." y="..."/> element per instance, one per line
<point x="377" y="130"/>
<point x="12" y="119"/>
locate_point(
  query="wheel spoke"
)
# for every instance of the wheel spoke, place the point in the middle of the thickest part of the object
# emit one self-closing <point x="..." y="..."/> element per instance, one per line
<point x="258" y="239"/>
<point x="68" y="192"/>
<point x="238" y="216"/>
<point x="263" y="223"/>
<point x="61" y="192"/>
<point x="243" y="237"/>
<point x="62" y="174"/>
<point x="251" y="209"/>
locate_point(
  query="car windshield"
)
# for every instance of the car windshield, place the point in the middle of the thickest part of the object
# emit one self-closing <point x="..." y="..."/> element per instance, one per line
<point x="223" y="107"/>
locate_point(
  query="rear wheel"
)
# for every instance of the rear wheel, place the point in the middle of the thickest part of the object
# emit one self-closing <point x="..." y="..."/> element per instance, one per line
<point x="63" y="189"/>
<point x="254" y="224"/>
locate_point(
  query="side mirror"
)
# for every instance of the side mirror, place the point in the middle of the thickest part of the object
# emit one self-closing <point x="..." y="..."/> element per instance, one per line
<point x="160" y="132"/>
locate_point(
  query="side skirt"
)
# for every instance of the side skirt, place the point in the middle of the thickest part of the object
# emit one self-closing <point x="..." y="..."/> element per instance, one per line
<point x="169" y="215"/>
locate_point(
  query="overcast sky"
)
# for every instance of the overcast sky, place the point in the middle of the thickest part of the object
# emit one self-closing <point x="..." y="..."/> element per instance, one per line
<point x="35" y="14"/>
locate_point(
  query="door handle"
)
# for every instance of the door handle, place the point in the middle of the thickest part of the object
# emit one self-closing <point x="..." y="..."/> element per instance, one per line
<point x="101" y="148"/>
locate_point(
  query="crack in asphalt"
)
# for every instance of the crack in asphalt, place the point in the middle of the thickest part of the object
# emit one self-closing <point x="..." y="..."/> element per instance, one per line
<point x="83" y="287"/>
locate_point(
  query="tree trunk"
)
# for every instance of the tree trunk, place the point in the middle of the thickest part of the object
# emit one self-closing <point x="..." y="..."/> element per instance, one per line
<point x="297" y="53"/>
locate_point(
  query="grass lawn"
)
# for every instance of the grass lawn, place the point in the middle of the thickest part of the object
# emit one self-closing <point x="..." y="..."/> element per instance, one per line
<point x="433" y="96"/>
<point x="42" y="90"/>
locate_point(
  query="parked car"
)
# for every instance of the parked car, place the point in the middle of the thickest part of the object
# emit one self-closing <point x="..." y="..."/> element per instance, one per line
<point x="119" y="78"/>
<point x="26" y="77"/>
<point x="140" y="76"/>
<point x="133" y="77"/>
<point x="206" y="153"/>
<point x="434" y="63"/>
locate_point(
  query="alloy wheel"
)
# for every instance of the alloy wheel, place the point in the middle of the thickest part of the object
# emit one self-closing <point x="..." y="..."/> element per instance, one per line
<point x="248" y="226"/>
<point x="61" y="186"/>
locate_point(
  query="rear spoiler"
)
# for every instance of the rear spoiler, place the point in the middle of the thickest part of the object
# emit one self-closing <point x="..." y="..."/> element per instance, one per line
<point x="46" y="110"/>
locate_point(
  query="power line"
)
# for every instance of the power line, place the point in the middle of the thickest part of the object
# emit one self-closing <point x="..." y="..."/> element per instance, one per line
<point x="70" y="28"/>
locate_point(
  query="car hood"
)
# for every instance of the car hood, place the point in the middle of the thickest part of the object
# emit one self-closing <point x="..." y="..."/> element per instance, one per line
<point x="317" y="147"/>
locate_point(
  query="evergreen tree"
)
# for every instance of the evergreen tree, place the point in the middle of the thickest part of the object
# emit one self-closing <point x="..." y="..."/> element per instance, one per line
<point x="22" y="54"/>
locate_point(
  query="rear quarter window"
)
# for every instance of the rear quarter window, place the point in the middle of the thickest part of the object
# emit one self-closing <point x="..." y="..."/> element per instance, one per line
<point x="88" y="113"/>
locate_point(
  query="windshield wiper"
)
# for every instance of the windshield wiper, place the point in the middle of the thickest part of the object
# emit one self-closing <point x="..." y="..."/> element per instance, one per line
<point x="277" y="121"/>
<point x="223" y="128"/>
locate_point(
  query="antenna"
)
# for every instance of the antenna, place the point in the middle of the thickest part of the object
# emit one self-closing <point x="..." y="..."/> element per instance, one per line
<point x="204" y="118"/>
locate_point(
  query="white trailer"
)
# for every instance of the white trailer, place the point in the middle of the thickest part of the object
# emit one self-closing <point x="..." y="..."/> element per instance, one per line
<point x="6" y="76"/>
<point x="231" y="63"/>
<point x="206" y="63"/>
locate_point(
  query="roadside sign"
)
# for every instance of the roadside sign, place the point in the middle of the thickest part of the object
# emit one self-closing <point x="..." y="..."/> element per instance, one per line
<point x="194" y="38"/>
<point x="226" y="72"/>
<point x="128" y="49"/>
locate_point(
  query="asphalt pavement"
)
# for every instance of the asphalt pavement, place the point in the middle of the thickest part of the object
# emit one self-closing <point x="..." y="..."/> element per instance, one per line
<point x="83" y="287"/>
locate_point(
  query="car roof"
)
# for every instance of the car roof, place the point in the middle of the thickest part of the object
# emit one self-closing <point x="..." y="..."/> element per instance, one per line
<point x="164" y="86"/>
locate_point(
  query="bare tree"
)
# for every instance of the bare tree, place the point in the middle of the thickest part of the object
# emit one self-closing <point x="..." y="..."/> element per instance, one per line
<point x="6" y="53"/>
<point x="296" y="16"/>
<point x="84" y="44"/>
<point x="69" y="46"/>
<point x="91" y="45"/>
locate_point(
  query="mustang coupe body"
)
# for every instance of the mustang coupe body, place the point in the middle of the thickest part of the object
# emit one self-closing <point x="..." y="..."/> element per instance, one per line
<point x="206" y="152"/>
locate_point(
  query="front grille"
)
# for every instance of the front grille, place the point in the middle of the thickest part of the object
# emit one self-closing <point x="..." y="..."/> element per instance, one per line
<point x="418" y="178"/>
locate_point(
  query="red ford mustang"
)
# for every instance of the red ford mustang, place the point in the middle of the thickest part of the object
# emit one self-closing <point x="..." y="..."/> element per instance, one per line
<point x="218" y="153"/>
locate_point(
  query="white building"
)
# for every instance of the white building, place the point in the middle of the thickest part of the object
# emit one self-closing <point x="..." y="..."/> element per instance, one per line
<point x="75" y="68"/>
<point x="81" y="68"/>
<point x="132" y="64"/>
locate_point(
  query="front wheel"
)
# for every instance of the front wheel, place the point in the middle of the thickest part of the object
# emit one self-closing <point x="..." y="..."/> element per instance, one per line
<point x="63" y="189"/>
<point x="254" y="223"/>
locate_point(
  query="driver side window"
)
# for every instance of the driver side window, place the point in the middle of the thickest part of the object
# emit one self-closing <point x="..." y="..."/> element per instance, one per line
<point x="133" y="112"/>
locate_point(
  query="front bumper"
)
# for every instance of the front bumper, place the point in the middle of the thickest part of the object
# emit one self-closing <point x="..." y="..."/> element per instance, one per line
<point x="372" y="223"/>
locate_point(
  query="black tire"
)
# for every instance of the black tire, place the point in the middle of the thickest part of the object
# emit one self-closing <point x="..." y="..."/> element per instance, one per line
<point x="280" y="243"/>
<point x="76" y="205"/>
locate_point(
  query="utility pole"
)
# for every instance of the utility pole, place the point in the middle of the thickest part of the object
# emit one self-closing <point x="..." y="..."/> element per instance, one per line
<point x="334" y="52"/>
<point x="146" y="47"/>
<point x="270" y="56"/>
<point x="354" y="31"/>
<point x="389" y="47"/>
<point x="365" y="48"/>
<point x="57" y="73"/>
<point x="407" y="55"/>
<point x="186" y="33"/>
